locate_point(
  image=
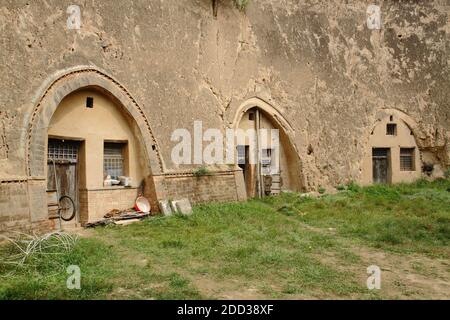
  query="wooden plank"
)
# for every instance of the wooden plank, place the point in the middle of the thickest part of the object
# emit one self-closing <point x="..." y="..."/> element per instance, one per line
<point x="276" y="178"/>
<point x="52" y="198"/>
<point x="53" y="212"/>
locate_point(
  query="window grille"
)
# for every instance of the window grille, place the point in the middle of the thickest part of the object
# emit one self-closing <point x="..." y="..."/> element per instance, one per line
<point x="380" y="153"/>
<point x="407" y="159"/>
<point x="391" y="129"/>
<point x="60" y="150"/>
<point x="114" y="159"/>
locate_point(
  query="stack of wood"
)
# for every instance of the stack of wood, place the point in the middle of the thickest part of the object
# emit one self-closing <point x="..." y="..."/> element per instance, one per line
<point x="119" y="217"/>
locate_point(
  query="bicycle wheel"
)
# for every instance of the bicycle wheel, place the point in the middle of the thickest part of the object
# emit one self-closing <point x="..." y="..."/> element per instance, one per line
<point x="66" y="208"/>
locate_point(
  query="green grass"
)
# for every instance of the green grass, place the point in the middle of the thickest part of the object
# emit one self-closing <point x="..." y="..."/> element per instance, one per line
<point x="45" y="277"/>
<point x="280" y="247"/>
<point x="405" y="218"/>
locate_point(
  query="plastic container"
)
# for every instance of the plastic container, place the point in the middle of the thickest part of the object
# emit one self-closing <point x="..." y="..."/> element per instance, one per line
<point x="125" y="181"/>
<point x="142" y="205"/>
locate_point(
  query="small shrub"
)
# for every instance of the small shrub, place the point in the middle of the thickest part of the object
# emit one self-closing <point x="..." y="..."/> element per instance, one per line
<point x="322" y="190"/>
<point x="354" y="187"/>
<point x="241" y="4"/>
<point x="287" y="210"/>
<point x="200" y="172"/>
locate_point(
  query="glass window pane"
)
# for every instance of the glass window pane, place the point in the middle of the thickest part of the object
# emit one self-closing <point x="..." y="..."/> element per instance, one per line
<point x="114" y="159"/>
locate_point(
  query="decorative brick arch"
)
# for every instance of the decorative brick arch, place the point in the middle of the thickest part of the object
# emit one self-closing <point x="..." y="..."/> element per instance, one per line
<point x="410" y="123"/>
<point x="271" y="111"/>
<point x="274" y="114"/>
<point x="61" y="85"/>
<point x="393" y="174"/>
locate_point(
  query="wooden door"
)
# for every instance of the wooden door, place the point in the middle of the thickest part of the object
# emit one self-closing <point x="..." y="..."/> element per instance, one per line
<point x="63" y="161"/>
<point x="380" y="160"/>
<point x="66" y="177"/>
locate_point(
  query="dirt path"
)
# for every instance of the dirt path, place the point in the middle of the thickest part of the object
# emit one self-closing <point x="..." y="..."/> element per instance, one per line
<point x="403" y="276"/>
<point x="409" y="276"/>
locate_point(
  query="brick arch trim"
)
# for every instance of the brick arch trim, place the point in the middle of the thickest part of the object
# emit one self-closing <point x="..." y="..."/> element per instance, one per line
<point x="64" y="83"/>
<point x="270" y="110"/>
<point x="410" y="122"/>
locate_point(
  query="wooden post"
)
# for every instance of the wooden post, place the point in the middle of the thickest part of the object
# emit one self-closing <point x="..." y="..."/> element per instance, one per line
<point x="258" y="152"/>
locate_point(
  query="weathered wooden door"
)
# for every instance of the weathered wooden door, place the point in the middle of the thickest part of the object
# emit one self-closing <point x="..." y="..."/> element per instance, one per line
<point x="380" y="160"/>
<point x="63" y="161"/>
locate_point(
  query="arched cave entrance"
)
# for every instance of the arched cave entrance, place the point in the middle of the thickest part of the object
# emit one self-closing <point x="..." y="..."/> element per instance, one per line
<point x="92" y="145"/>
<point x="394" y="155"/>
<point x="276" y="166"/>
<point x="87" y="114"/>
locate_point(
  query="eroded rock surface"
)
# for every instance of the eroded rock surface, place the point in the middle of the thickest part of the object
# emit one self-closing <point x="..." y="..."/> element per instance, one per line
<point x="315" y="61"/>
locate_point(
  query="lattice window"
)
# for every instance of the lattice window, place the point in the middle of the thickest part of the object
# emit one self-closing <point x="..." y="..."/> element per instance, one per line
<point x="407" y="159"/>
<point x="61" y="150"/>
<point x="380" y="152"/>
<point x="114" y="159"/>
<point x="391" y="129"/>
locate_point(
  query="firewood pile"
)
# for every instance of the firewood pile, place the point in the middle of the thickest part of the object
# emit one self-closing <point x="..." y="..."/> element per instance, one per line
<point x="115" y="216"/>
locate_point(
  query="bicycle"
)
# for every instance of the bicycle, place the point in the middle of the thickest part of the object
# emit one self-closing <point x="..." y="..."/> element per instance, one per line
<point x="66" y="205"/>
<point x="66" y="208"/>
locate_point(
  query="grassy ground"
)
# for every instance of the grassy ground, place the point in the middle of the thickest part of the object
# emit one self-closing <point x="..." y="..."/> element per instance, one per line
<point x="287" y="247"/>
